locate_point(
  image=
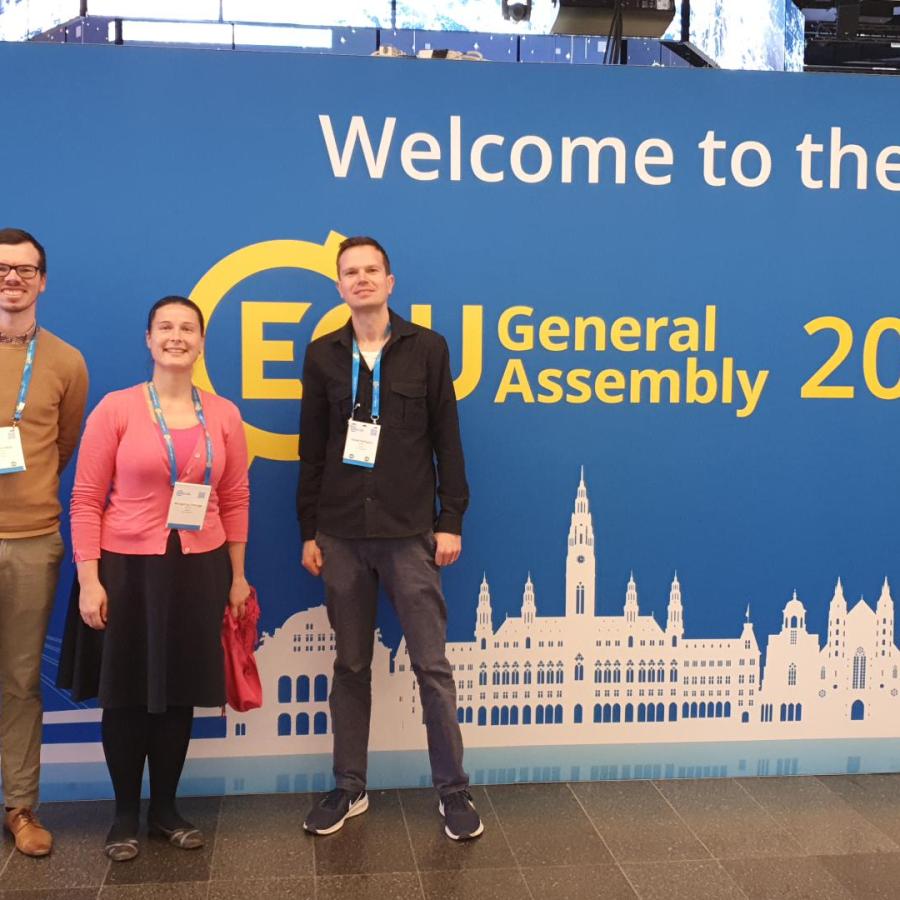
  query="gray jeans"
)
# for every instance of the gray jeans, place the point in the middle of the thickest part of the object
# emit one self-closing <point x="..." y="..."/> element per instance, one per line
<point x="405" y="568"/>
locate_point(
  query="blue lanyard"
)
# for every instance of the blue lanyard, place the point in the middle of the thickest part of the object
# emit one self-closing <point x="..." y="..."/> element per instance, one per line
<point x="26" y="380"/>
<point x="167" y="437"/>
<point x="376" y="379"/>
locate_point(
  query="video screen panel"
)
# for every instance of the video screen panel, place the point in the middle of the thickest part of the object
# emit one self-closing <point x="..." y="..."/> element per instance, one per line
<point x="22" y="19"/>
<point x="335" y="13"/>
<point x="794" y="37"/>
<point x="673" y="32"/>
<point x="472" y="15"/>
<point x="735" y="34"/>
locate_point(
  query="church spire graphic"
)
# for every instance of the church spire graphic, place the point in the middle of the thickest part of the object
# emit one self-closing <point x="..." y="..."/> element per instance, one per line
<point x="631" y="601"/>
<point x="484" y="627"/>
<point x="580" y="560"/>
<point x="675" y="618"/>
<point x="837" y="622"/>
<point x="529" y="607"/>
<point x="884" y="619"/>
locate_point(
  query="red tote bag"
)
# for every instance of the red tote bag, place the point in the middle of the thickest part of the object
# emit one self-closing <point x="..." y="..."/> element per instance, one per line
<point x="243" y="690"/>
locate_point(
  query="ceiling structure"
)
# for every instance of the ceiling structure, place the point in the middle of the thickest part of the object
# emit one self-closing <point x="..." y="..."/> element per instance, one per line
<point x="852" y="35"/>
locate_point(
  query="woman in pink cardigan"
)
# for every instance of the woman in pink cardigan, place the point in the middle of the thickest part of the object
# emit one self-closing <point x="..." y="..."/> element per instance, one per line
<point x="159" y="528"/>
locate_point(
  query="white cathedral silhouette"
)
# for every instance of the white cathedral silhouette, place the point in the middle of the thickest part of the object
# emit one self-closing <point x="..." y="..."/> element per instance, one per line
<point x="580" y="678"/>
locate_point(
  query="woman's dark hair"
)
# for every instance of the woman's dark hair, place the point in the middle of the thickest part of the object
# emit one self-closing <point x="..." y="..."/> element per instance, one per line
<point x="180" y="301"/>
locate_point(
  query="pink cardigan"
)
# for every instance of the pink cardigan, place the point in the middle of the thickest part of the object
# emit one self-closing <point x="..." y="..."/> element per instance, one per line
<point x="122" y="490"/>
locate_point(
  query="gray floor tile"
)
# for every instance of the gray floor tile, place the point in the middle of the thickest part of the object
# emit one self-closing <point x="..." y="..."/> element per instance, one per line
<point x="801" y="805"/>
<point x="788" y="878"/>
<point x="256" y="847"/>
<point x="434" y="850"/>
<point x="272" y="855"/>
<point x="376" y="841"/>
<point x="269" y="888"/>
<point x="389" y="886"/>
<point x="524" y="811"/>
<point x="185" y="890"/>
<point x="682" y="881"/>
<point x="6" y="850"/>
<point x="255" y="814"/>
<point x="875" y="797"/>
<point x="579" y="883"/>
<point x="475" y="884"/>
<point x="159" y="861"/>
<point x="727" y="819"/>
<point x="261" y="836"/>
<point x="867" y="876"/>
<point x="636" y="822"/>
<point x="77" y="859"/>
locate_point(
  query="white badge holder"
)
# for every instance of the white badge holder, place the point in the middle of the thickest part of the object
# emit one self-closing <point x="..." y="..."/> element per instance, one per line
<point x="361" y="444"/>
<point x="187" y="509"/>
<point x="12" y="456"/>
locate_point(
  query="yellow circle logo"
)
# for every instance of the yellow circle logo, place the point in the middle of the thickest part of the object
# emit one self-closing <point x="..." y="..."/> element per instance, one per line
<point x="231" y="271"/>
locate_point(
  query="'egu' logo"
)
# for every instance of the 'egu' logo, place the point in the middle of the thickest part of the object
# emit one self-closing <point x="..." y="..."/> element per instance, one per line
<point x="256" y="350"/>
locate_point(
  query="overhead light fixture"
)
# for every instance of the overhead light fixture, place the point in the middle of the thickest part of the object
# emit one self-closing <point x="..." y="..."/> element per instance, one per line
<point x="516" y="12"/>
<point x="640" y="18"/>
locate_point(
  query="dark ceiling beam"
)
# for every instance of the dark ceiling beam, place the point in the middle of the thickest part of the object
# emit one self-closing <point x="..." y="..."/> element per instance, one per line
<point x="847" y="19"/>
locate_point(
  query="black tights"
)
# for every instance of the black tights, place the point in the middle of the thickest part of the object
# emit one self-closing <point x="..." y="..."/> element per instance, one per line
<point x="132" y="735"/>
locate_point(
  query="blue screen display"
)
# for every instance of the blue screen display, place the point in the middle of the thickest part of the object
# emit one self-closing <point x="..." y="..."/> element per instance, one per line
<point x="472" y="15"/>
<point x="735" y="34"/>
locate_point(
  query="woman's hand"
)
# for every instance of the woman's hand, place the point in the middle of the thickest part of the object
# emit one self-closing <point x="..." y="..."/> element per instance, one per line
<point x="238" y="596"/>
<point x="92" y="605"/>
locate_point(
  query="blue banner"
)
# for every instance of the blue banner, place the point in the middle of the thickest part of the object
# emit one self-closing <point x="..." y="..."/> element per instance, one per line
<point x="667" y="295"/>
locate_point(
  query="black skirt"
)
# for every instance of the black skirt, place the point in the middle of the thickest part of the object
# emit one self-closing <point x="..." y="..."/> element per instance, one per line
<point x="162" y="643"/>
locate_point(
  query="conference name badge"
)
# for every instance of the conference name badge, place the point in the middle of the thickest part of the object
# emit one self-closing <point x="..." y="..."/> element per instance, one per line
<point x="12" y="456"/>
<point x="187" y="509"/>
<point x="361" y="444"/>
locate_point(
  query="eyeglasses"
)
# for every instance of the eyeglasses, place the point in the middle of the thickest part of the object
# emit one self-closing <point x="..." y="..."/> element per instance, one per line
<point x="24" y="272"/>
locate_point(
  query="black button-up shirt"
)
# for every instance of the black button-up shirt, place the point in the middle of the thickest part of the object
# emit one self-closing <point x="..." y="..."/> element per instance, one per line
<point x="420" y="427"/>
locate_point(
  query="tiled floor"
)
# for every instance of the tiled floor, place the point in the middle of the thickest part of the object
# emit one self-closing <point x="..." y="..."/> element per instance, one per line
<point x="785" y="838"/>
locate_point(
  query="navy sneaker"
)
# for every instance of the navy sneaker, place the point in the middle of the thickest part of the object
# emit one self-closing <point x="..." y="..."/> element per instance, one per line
<point x="461" y="819"/>
<point x="330" y="813"/>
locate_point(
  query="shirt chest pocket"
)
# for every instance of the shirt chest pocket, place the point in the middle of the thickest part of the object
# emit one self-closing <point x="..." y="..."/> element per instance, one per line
<point x="406" y="406"/>
<point x="339" y="403"/>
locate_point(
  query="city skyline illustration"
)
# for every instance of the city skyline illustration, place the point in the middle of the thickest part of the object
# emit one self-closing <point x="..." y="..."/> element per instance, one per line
<point x="581" y="678"/>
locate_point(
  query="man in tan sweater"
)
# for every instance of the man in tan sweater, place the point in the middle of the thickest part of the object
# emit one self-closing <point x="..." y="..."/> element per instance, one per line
<point x="43" y="389"/>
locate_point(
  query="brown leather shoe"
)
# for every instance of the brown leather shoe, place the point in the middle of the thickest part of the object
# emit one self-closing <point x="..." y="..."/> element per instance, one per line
<point x="32" y="838"/>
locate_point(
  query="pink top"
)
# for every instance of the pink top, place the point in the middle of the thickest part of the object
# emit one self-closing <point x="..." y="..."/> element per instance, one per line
<point x="184" y="440"/>
<point x="122" y="490"/>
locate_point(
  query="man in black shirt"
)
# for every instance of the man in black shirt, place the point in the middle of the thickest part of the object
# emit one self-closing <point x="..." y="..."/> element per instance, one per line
<point x="378" y="412"/>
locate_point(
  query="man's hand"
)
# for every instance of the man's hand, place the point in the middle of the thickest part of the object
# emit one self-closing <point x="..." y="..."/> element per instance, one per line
<point x="312" y="558"/>
<point x="92" y="605"/>
<point x="449" y="546"/>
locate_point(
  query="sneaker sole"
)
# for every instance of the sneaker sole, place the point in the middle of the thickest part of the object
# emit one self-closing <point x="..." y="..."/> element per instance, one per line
<point x="357" y="809"/>
<point x="460" y="837"/>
